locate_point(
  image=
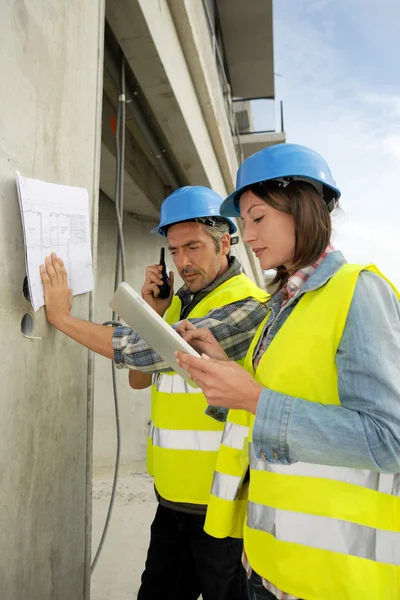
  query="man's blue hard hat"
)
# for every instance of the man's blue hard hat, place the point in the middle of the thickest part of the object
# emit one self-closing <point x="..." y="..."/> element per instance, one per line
<point x="283" y="163"/>
<point x="188" y="204"/>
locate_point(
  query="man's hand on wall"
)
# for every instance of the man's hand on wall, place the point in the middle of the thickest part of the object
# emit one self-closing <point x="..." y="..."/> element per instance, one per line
<point x="57" y="294"/>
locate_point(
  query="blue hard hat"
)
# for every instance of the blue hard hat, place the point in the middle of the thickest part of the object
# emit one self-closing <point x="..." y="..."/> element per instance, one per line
<point x="188" y="204"/>
<point x="283" y="163"/>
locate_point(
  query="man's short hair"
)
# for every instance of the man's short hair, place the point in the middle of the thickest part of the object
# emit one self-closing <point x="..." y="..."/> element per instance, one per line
<point x="216" y="227"/>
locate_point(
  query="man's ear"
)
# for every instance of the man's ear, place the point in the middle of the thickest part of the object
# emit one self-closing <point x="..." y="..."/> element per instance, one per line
<point x="225" y="244"/>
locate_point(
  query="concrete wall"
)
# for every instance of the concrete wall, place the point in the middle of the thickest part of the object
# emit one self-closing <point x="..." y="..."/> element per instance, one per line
<point x="50" y="85"/>
<point x="142" y="249"/>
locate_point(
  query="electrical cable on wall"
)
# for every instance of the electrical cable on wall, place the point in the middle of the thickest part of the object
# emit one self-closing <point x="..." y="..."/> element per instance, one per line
<point x="120" y="266"/>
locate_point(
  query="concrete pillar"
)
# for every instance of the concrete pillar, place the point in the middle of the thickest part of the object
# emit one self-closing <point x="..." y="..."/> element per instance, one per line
<point x="51" y="81"/>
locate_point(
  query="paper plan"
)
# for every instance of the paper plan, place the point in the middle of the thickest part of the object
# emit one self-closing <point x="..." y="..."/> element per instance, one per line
<point x="55" y="218"/>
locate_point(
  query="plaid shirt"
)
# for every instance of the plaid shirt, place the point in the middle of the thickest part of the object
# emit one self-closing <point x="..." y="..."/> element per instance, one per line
<point x="291" y="290"/>
<point x="233" y="325"/>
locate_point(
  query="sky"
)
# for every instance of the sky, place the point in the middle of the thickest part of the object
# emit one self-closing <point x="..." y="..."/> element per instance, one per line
<point x="337" y="65"/>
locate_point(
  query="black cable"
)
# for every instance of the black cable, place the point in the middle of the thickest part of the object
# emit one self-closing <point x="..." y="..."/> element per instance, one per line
<point x="120" y="261"/>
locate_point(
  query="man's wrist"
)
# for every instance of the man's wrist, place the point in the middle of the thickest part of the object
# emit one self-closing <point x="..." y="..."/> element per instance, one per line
<point x="60" y="322"/>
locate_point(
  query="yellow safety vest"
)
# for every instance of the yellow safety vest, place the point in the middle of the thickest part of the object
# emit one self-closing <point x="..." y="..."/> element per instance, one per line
<point x="183" y="441"/>
<point x="315" y="531"/>
<point x="227" y="504"/>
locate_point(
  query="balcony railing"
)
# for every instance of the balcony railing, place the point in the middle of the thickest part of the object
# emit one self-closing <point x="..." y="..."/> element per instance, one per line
<point x="258" y="115"/>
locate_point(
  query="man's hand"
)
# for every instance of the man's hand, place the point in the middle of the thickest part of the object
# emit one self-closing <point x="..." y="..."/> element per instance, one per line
<point x="151" y="290"/>
<point x="224" y="383"/>
<point x="202" y="340"/>
<point x="57" y="294"/>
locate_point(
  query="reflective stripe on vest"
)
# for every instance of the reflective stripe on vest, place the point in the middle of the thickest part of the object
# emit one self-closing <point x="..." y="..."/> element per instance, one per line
<point x="361" y="477"/>
<point x="235" y="435"/>
<point x="329" y="534"/>
<point x="185" y="439"/>
<point x="336" y="535"/>
<point x="225" y="486"/>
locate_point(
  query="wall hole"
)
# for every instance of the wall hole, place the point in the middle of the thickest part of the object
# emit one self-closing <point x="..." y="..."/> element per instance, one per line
<point x="28" y="325"/>
<point x="25" y="289"/>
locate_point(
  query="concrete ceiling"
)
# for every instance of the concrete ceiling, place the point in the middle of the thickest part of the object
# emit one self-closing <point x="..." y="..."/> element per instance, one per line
<point x="247" y="32"/>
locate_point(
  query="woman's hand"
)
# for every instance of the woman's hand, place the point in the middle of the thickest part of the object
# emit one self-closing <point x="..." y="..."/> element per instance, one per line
<point x="202" y="340"/>
<point x="224" y="383"/>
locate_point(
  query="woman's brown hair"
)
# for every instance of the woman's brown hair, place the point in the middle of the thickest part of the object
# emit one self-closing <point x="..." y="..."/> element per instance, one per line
<point x="312" y="221"/>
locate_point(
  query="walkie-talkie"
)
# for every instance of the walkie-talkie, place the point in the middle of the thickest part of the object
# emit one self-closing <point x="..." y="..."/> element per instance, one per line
<point x="165" y="288"/>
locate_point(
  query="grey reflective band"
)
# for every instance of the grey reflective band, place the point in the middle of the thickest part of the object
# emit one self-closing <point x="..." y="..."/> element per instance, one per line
<point x="225" y="486"/>
<point x="185" y="439"/>
<point x="326" y="533"/>
<point x="234" y="435"/>
<point x="382" y="482"/>
<point x="173" y="384"/>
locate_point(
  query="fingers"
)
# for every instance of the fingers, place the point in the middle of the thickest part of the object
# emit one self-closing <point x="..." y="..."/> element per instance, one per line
<point x="184" y="326"/>
<point x="45" y="278"/>
<point x="50" y="269"/>
<point x="189" y="363"/>
<point x="153" y="275"/>
<point x="195" y="334"/>
<point x="63" y="272"/>
<point x="152" y="289"/>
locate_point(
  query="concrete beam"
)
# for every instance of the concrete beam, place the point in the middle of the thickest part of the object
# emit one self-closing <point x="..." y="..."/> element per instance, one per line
<point x="147" y="35"/>
<point x="253" y="142"/>
<point x="247" y="33"/>
<point x="191" y="25"/>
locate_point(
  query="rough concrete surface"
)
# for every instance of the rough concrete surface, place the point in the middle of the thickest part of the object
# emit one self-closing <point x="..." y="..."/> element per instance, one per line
<point x="118" y="571"/>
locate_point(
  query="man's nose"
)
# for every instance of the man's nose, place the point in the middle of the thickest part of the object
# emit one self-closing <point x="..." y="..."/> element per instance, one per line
<point x="182" y="260"/>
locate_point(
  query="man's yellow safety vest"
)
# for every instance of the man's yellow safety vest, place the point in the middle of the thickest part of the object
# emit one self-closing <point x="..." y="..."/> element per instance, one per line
<point x="183" y="441"/>
<point x="315" y="531"/>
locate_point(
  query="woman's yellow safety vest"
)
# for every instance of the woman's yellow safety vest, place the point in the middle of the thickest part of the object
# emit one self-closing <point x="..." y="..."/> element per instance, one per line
<point x="317" y="532"/>
<point x="183" y="441"/>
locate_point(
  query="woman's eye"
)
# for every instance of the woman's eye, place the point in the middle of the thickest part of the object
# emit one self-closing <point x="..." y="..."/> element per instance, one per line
<point x="258" y="219"/>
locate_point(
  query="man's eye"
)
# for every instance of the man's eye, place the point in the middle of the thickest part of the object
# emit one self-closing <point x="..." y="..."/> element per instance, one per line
<point x="193" y="247"/>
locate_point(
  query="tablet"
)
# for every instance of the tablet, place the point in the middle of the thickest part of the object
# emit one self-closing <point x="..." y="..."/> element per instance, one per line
<point x="160" y="336"/>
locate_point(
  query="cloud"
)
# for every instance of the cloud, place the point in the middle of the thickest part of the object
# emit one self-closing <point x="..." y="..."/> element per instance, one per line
<point x="353" y="121"/>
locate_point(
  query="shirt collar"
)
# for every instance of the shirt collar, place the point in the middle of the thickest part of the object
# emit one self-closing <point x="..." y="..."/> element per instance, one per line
<point x="297" y="281"/>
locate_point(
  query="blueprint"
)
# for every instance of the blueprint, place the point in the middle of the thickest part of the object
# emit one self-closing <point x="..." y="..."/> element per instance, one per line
<point x="55" y="218"/>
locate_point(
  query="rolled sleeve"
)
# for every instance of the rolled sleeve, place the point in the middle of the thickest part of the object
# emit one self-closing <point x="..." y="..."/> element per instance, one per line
<point x="131" y="351"/>
<point x="271" y="427"/>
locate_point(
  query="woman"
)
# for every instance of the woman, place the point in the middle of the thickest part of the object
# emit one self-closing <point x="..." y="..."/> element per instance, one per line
<point x="322" y="393"/>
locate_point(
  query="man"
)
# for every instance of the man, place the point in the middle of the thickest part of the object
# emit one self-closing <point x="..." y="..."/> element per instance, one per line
<point x="183" y="561"/>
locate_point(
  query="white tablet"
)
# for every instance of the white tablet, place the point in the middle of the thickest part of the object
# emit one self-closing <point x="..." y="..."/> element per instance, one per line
<point x="160" y="336"/>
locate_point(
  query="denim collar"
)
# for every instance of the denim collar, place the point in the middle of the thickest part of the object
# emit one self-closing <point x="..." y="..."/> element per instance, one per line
<point x="327" y="269"/>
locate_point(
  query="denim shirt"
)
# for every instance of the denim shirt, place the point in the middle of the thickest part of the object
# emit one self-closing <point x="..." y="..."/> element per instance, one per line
<point x="364" y="431"/>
